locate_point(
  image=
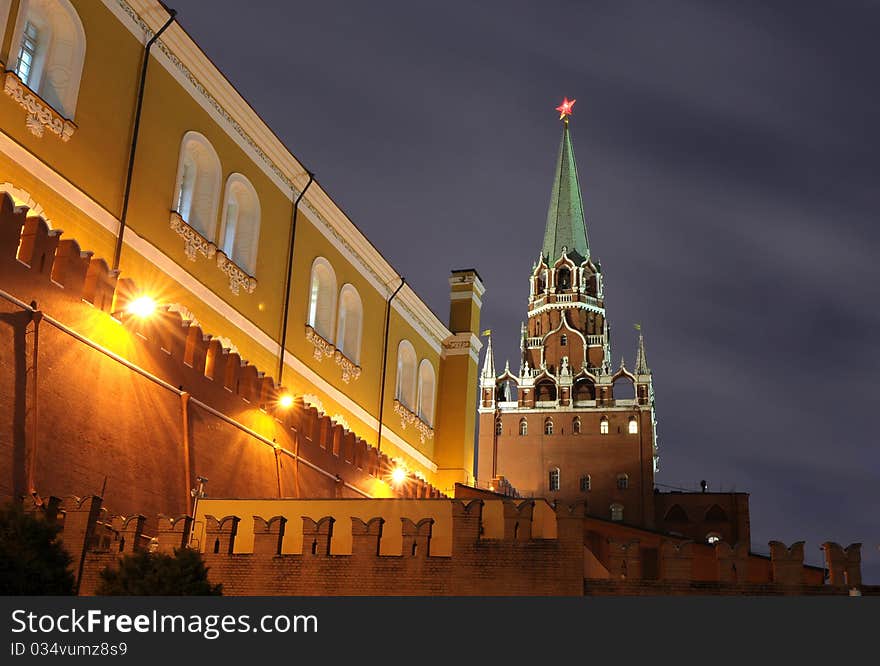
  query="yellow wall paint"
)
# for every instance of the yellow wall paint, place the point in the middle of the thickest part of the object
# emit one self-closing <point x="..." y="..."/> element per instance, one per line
<point x="95" y="160"/>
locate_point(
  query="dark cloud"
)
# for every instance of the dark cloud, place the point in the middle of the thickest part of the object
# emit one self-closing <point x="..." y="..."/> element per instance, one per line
<point x="728" y="154"/>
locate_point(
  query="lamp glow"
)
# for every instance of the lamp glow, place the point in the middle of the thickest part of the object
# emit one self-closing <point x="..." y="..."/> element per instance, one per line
<point x="285" y="401"/>
<point x="398" y="475"/>
<point x="142" y="307"/>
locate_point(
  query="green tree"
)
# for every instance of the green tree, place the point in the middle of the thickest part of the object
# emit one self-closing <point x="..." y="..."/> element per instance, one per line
<point x="32" y="561"/>
<point x="145" y="574"/>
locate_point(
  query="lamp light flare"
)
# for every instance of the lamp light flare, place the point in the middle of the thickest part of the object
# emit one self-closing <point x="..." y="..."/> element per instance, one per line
<point x="285" y="401"/>
<point x="398" y="475"/>
<point x="143" y="307"/>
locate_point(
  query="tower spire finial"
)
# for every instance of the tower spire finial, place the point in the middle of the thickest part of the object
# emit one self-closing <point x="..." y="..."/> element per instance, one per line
<point x="641" y="358"/>
<point x="488" y="374"/>
<point x="565" y="109"/>
<point x="565" y="217"/>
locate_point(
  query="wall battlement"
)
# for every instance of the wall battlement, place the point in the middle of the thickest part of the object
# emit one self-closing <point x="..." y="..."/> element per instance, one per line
<point x="484" y="547"/>
<point x="517" y="563"/>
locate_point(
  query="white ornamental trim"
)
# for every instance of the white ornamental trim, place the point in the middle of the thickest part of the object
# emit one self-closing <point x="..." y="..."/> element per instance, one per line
<point x="408" y="418"/>
<point x="193" y="242"/>
<point x="350" y="370"/>
<point x="323" y="348"/>
<point x="238" y="279"/>
<point x="41" y="116"/>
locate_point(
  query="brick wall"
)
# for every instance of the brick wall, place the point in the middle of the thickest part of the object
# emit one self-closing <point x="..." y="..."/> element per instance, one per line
<point x="513" y="565"/>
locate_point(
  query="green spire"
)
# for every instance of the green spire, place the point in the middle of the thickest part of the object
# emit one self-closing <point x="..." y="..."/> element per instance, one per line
<point x="565" y="218"/>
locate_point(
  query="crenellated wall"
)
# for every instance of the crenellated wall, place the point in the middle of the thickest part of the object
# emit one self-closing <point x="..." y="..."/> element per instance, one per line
<point x="438" y="546"/>
<point x="135" y="410"/>
<point x="515" y="564"/>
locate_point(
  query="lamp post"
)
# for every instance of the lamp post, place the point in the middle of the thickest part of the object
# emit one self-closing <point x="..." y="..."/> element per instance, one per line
<point x="197" y="493"/>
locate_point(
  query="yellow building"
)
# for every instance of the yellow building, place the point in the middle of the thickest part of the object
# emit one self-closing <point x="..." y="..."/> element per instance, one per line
<point x="141" y="150"/>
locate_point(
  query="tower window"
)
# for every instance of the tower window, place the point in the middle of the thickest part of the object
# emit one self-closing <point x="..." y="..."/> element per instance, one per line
<point x="554" y="479"/>
<point x="576" y="425"/>
<point x="523" y="427"/>
<point x="603" y="426"/>
<point x="713" y="537"/>
<point x="548" y="426"/>
<point x="497" y="426"/>
<point x="622" y="482"/>
<point x="633" y="426"/>
<point x="27" y="53"/>
<point x="564" y="278"/>
<point x="563" y="340"/>
<point x="617" y="512"/>
<point x="585" y="483"/>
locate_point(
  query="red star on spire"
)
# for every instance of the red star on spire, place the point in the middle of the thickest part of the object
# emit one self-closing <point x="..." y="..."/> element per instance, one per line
<point x="565" y="108"/>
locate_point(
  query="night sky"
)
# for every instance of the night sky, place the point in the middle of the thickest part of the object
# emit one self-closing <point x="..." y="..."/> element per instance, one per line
<point x="728" y="157"/>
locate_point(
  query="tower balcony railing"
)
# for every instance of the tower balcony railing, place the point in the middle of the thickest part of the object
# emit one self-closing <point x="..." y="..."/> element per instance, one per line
<point x="595" y="340"/>
<point x="545" y="298"/>
<point x="533" y="343"/>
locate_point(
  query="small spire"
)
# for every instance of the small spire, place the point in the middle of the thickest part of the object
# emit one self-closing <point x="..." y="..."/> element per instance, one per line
<point x="641" y="358"/>
<point x="506" y="367"/>
<point x="488" y="374"/>
<point x="622" y="363"/>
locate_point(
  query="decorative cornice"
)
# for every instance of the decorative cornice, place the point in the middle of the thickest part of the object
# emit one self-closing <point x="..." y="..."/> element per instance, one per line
<point x="323" y="348"/>
<point x="238" y="279"/>
<point x="350" y="371"/>
<point x="461" y="344"/>
<point x="40" y="114"/>
<point x="415" y="309"/>
<point x="193" y="241"/>
<point x="408" y="418"/>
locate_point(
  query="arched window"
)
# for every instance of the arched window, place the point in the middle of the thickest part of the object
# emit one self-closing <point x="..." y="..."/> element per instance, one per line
<point x="198" y="184"/>
<point x="548" y="426"/>
<point x="633" y="426"/>
<point x="622" y="481"/>
<point x="617" y="512"/>
<point x="676" y="514"/>
<point x="523" y="427"/>
<point x="563" y="279"/>
<point x="240" y="232"/>
<point x="406" y="375"/>
<point x="554" y="479"/>
<point x="603" y="426"/>
<point x="498" y="426"/>
<point x="716" y="514"/>
<point x="576" y="425"/>
<point x="48" y="52"/>
<point x="350" y="323"/>
<point x="713" y="538"/>
<point x="563" y="340"/>
<point x="584" y="390"/>
<point x="545" y="391"/>
<point x="586" y="483"/>
<point x="426" y="392"/>
<point x="322" y="298"/>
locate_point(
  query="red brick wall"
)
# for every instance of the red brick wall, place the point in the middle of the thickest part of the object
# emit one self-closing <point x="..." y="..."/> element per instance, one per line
<point x="527" y="460"/>
<point x="477" y="566"/>
<point x="696" y="507"/>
